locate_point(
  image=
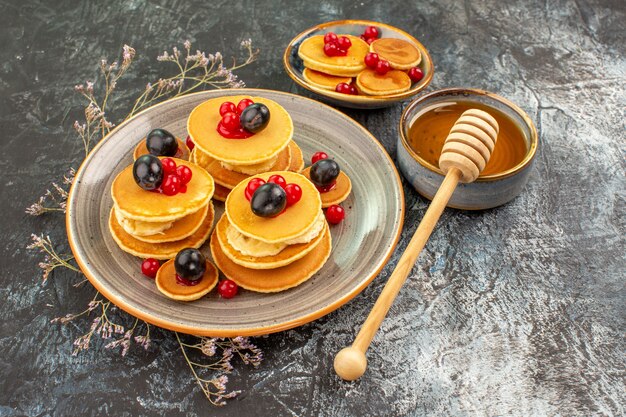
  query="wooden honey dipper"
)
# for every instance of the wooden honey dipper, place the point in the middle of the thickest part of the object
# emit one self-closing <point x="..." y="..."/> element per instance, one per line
<point x="465" y="153"/>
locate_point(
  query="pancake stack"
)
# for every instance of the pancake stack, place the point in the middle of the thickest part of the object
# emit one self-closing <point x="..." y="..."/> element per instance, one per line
<point x="149" y="224"/>
<point x="271" y="254"/>
<point x="231" y="161"/>
<point x="328" y="72"/>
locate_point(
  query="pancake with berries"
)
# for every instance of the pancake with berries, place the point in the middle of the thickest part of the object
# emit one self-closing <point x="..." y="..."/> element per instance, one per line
<point x="332" y="183"/>
<point x="240" y="131"/>
<point x="375" y="84"/>
<point x="322" y="80"/>
<point x="401" y="54"/>
<point x="160" y="142"/>
<point x="338" y="55"/>
<point x="187" y="277"/>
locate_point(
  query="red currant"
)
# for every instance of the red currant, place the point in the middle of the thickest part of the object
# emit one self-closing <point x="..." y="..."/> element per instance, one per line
<point x="330" y="38"/>
<point x="371" y="59"/>
<point x="342" y="52"/>
<point x="171" y="185"/>
<point x="383" y="67"/>
<point x="230" y="121"/>
<point x="343" y="88"/>
<point x="278" y="179"/>
<point x="331" y="49"/>
<point x="226" y="107"/>
<point x="371" y="32"/>
<point x="149" y="267"/>
<point x="190" y="143"/>
<point x="344" y="42"/>
<point x="353" y="90"/>
<point x="184" y="173"/>
<point x="369" y="40"/>
<point x="416" y="74"/>
<point x="253" y="184"/>
<point x="227" y="288"/>
<point x="169" y="166"/>
<point x="294" y="193"/>
<point x="318" y="155"/>
<point x="183" y="189"/>
<point x="335" y="214"/>
<point x="243" y="104"/>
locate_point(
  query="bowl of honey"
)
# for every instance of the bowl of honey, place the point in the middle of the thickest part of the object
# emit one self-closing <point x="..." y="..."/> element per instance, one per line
<point x="424" y="126"/>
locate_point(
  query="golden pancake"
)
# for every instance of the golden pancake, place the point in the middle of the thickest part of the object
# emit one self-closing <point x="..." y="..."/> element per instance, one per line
<point x="164" y="250"/>
<point x="288" y="255"/>
<point x="140" y="228"/>
<point x="253" y="169"/>
<point x="322" y="80"/>
<point x="373" y="84"/>
<point x="297" y="160"/>
<point x="135" y="203"/>
<point x="336" y="195"/>
<point x="311" y="51"/>
<point x="168" y="285"/>
<point x="202" y="127"/>
<point x="181" y="228"/>
<point x="401" y="54"/>
<point x="294" y="222"/>
<point x="273" y="280"/>
<point x="182" y="152"/>
<point x="229" y="179"/>
<point x="221" y="193"/>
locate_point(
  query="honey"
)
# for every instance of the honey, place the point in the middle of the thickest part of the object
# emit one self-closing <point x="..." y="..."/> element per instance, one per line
<point x="430" y="129"/>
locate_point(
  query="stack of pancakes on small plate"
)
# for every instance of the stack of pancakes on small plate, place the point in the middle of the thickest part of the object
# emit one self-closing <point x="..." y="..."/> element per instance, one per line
<point x="271" y="254"/>
<point x="149" y="224"/>
<point x="231" y="161"/>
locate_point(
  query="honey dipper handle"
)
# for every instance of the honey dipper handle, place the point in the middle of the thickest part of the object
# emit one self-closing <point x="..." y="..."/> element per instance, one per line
<point x="350" y="362"/>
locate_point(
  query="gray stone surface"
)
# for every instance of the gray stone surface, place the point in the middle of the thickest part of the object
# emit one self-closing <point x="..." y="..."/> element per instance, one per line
<point x="518" y="310"/>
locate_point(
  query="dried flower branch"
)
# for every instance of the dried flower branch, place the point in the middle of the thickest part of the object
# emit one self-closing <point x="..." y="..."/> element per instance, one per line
<point x="52" y="259"/>
<point x="57" y="196"/>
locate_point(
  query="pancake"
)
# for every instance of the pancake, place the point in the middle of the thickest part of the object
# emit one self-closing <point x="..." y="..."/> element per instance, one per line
<point x="221" y="193"/>
<point x="288" y="255"/>
<point x="273" y="280"/>
<point x="182" y="152"/>
<point x="166" y="250"/>
<point x="373" y="84"/>
<point x="229" y="179"/>
<point x="311" y="51"/>
<point x="336" y="195"/>
<point x="401" y="54"/>
<point x="322" y="80"/>
<point x="139" y="228"/>
<point x="253" y="169"/>
<point x="135" y="203"/>
<point x="202" y="127"/>
<point x="293" y="223"/>
<point x="297" y="160"/>
<point x="179" y="229"/>
<point x="166" y="283"/>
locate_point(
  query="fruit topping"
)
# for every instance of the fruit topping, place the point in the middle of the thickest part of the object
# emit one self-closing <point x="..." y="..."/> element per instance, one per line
<point x="371" y="32"/>
<point x="149" y="267"/>
<point x="318" y="155"/>
<point x="190" y="143"/>
<point x="345" y="88"/>
<point x="171" y="185"/>
<point x="382" y="67"/>
<point x="253" y="184"/>
<point x="148" y="172"/>
<point x="255" y="117"/>
<point x="184" y="173"/>
<point x="230" y="121"/>
<point x="336" y="46"/>
<point x="227" y="288"/>
<point x="190" y="265"/>
<point x="278" y="179"/>
<point x="416" y="74"/>
<point x="324" y="173"/>
<point x="335" y="214"/>
<point x="160" y="142"/>
<point x="169" y="166"/>
<point x="294" y="193"/>
<point x="227" y="107"/>
<point x="243" y="104"/>
<point x="268" y="200"/>
<point x="371" y="60"/>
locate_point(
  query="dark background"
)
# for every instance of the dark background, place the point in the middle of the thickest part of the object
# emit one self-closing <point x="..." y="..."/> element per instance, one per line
<point x="516" y="310"/>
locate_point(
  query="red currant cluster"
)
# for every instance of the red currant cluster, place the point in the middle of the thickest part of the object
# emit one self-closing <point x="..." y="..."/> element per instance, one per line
<point x="335" y="213"/>
<point x="345" y="88"/>
<point x="370" y="34"/>
<point x="292" y="190"/>
<point x="175" y="178"/>
<point x="373" y="61"/>
<point x="336" y="46"/>
<point x="230" y="125"/>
